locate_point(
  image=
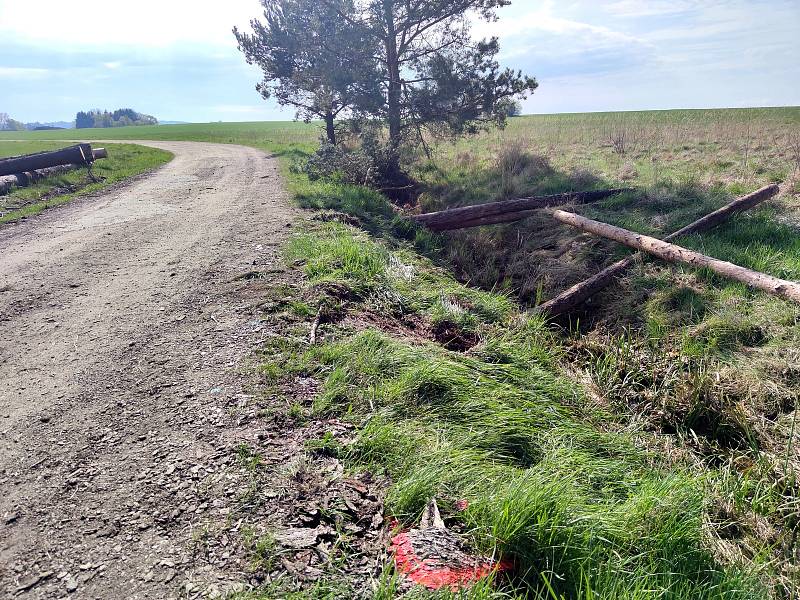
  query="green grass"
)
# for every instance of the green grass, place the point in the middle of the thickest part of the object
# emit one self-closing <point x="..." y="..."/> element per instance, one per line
<point x="283" y="138"/>
<point x="584" y="511"/>
<point x="673" y="402"/>
<point x="124" y="161"/>
<point x="647" y="450"/>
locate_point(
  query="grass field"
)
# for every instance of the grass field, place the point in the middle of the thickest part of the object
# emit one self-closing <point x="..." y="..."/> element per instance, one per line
<point x="278" y="137"/>
<point x="647" y="448"/>
<point x="124" y="161"/>
<point x="694" y="376"/>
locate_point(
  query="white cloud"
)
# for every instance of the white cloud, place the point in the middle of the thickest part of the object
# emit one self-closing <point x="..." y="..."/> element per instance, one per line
<point x="22" y="73"/>
<point x="554" y="36"/>
<point x="146" y="23"/>
<point x="649" y="8"/>
<point x="545" y="20"/>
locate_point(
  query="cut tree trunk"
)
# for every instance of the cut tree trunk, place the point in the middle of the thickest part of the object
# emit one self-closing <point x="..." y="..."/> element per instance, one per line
<point x="511" y="217"/>
<point x="507" y="210"/>
<point x="789" y="290"/>
<point x="26" y="179"/>
<point x="579" y="293"/>
<point x="80" y="154"/>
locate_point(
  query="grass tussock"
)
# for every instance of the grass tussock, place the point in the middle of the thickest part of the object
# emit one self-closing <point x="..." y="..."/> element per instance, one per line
<point x="582" y="504"/>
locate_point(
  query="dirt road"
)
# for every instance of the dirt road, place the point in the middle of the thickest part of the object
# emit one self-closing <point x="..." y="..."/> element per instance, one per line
<point x="125" y="369"/>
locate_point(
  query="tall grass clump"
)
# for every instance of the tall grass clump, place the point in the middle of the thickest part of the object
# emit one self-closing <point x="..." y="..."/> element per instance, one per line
<point x="583" y="511"/>
<point x="341" y="257"/>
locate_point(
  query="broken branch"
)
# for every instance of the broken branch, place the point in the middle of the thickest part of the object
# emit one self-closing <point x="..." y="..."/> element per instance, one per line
<point x="789" y="290"/>
<point x="312" y="338"/>
<point x="579" y="293"/>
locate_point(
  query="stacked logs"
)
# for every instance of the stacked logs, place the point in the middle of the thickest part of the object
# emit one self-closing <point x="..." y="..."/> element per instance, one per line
<point x="21" y="171"/>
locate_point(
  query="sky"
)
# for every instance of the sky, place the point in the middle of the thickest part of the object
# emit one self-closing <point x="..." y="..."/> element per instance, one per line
<point x="177" y="59"/>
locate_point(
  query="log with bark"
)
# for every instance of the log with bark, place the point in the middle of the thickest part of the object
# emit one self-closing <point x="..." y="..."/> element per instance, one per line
<point x="789" y="290"/>
<point x="26" y="179"/>
<point x="80" y="154"/>
<point x="507" y="210"/>
<point x="579" y="293"/>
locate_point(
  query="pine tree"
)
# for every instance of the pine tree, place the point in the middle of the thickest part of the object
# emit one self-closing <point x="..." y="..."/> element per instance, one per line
<point x="312" y="60"/>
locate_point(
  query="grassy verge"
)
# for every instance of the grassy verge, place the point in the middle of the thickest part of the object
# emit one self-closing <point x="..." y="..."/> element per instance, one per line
<point x="124" y="161"/>
<point x="584" y="504"/>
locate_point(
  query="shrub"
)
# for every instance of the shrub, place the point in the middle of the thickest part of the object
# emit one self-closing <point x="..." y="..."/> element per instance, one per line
<point x="372" y="163"/>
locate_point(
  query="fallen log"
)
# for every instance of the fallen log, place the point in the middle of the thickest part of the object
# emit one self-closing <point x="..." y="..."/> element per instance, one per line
<point x="26" y="179"/>
<point x="789" y="290"/>
<point x="579" y="293"/>
<point x="513" y="210"/>
<point x="496" y="219"/>
<point x="80" y="154"/>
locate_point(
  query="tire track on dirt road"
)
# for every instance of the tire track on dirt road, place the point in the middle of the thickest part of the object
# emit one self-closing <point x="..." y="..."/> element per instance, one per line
<point x="125" y="345"/>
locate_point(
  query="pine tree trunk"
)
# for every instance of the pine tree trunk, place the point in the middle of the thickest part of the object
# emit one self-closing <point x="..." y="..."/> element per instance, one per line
<point x="80" y="154"/>
<point x="26" y="179"/>
<point x="789" y="290"/>
<point x="506" y="211"/>
<point x="394" y="91"/>
<point x="330" y="128"/>
<point x="579" y="293"/>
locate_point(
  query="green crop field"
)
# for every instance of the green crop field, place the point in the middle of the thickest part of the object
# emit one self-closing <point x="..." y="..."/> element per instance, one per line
<point x="276" y="137"/>
<point x="648" y="446"/>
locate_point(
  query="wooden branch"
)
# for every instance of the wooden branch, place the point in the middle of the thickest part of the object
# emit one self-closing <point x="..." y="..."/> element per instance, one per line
<point x="579" y="293"/>
<point x="789" y="290"/>
<point x="472" y="216"/>
<point x="312" y="338"/>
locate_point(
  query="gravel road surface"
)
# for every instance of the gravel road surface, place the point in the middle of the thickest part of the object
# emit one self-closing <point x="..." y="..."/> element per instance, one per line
<point x="127" y="324"/>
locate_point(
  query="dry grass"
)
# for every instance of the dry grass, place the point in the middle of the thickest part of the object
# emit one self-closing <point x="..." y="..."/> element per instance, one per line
<point x="706" y="367"/>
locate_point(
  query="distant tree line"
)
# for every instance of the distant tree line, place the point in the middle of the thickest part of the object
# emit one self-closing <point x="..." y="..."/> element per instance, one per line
<point x="9" y="124"/>
<point x="122" y="117"/>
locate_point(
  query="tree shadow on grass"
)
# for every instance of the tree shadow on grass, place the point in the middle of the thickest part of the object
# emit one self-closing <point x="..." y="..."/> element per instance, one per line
<point x="537" y="258"/>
